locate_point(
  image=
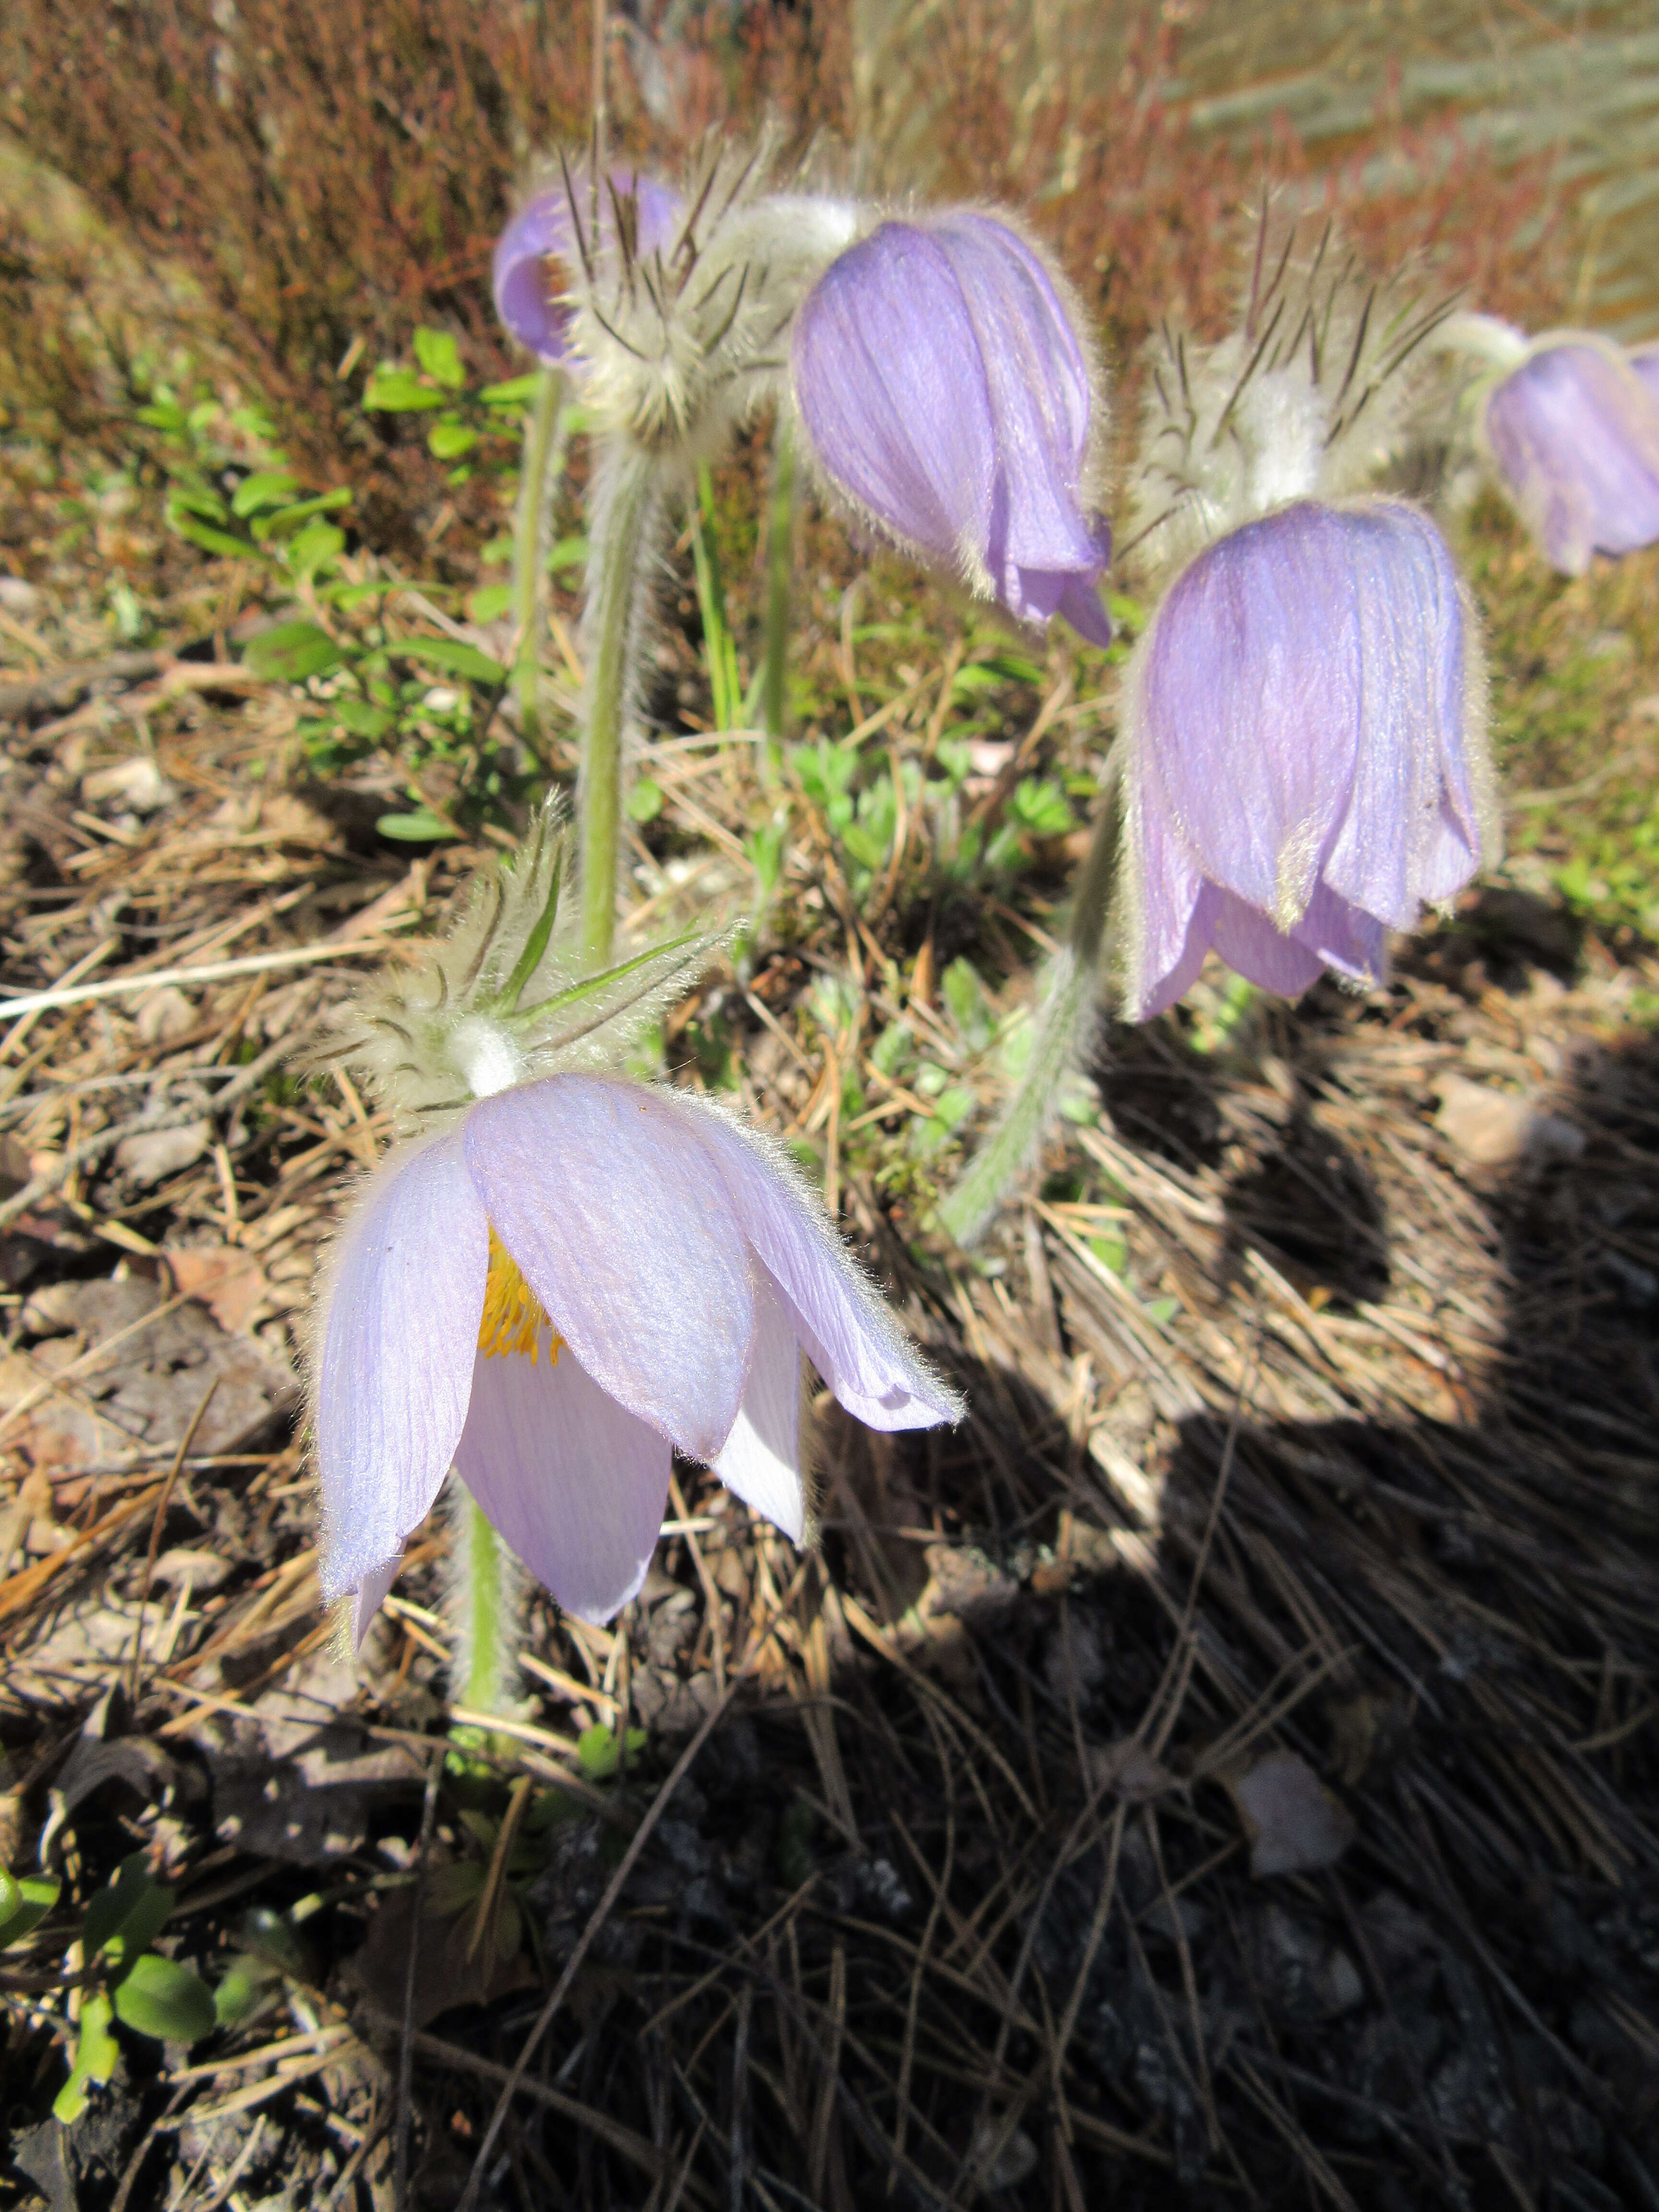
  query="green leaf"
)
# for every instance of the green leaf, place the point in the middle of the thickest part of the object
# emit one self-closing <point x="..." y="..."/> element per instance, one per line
<point x="1111" y="1250"/>
<point x="362" y="720"/>
<point x="488" y="603"/>
<point x="211" y="540"/>
<point x="245" y="1982"/>
<point x="440" y="357"/>
<point x="1163" y="1310"/>
<point x="96" y="2052"/>
<point x="196" y="499"/>
<point x="290" y="651"/>
<point x="289" y="518"/>
<point x="165" y="414"/>
<point x="1040" y="805"/>
<point x="645" y="801"/>
<point x="448" y="441"/>
<point x="517" y="391"/>
<point x="453" y="655"/>
<point x="31" y="1899"/>
<point x="964" y="994"/>
<point x="568" y="553"/>
<point x="317" y="546"/>
<point x="264" y="488"/>
<point x="419" y="828"/>
<point x="600" y="1752"/>
<point x="125" y="1920"/>
<point x="395" y="391"/>
<point x="161" y="1998"/>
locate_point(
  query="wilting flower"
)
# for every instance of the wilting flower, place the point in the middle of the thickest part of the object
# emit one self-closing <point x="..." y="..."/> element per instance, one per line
<point x="1306" y="758"/>
<point x="539" y="259"/>
<point x="582" y="1277"/>
<point x="949" y="399"/>
<point x="1573" y="430"/>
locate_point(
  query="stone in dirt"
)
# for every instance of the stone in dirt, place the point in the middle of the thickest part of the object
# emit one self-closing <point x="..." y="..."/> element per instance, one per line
<point x="1494" y="1128"/>
<point x="1295" y="1825"/>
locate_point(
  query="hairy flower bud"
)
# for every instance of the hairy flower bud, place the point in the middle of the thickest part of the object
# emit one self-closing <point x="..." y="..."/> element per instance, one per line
<point x="950" y="400"/>
<point x="1573" y="430"/>
<point x="1307" y="398"/>
<point x="1306" y="755"/>
<point x="537" y="261"/>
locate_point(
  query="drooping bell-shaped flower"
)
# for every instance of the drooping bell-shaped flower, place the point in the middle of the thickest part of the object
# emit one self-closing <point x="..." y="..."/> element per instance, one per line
<point x="1573" y="430"/>
<point x="582" y="1277"/>
<point x="1306" y="758"/>
<point x="562" y="1277"/>
<point x="539" y="256"/>
<point x="950" y="401"/>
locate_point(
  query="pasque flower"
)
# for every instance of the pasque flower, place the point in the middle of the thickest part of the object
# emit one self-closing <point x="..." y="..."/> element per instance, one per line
<point x="1644" y="359"/>
<point x="950" y="400"/>
<point x="1573" y="430"/>
<point x="539" y="256"/>
<point x="1306" y="761"/>
<point x="583" y="1277"/>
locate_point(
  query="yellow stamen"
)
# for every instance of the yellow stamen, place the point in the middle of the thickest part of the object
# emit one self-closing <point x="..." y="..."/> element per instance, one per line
<point x="514" y="1317"/>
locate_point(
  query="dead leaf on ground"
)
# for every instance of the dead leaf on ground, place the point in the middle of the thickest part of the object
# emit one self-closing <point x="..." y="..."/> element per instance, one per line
<point x="229" y="1282"/>
<point x="1295" y="1825"/>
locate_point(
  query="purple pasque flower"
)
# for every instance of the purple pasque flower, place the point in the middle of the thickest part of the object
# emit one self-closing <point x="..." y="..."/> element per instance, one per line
<point x="1573" y="429"/>
<point x="1305" y="751"/>
<point x="950" y="400"/>
<point x="545" y="241"/>
<point x="1644" y="359"/>
<point x="581" y="1278"/>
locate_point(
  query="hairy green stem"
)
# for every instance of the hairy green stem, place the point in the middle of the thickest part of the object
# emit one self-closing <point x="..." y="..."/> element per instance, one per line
<point x="780" y="575"/>
<point x="484" y="1611"/>
<point x="1067" y="1016"/>
<point x="543" y="453"/>
<point x="625" y="488"/>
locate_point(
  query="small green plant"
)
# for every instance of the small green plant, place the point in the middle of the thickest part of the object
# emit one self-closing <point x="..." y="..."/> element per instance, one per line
<point x="121" y="1977"/>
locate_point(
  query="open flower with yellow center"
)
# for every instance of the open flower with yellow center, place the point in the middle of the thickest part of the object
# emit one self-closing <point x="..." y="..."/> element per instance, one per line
<point x="579" y="1278"/>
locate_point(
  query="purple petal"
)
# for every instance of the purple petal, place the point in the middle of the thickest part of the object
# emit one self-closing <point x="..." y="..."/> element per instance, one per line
<point x="889" y="382"/>
<point x="402" y="1306"/>
<point x="575" y="1485"/>
<point x="369" y="1596"/>
<point x="760" y="1461"/>
<point x="1161" y="990"/>
<point x="1410" y="777"/>
<point x="1644" y="359"/>
<point x="1344" y="937"/>
<point x="1037" y="379"/>
<point x="543" y="231"/>
<point x="1575" y="430"/>
<point x="852" y="1339"/>
<point x="1251" y="696"/>
<point x="1250" y="945"/>
<point x="601" y="1192"/>
<point x="1168" y="935"/>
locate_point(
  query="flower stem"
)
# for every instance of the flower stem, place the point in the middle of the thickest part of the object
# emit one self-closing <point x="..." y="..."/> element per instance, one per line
<point x="624" y="492"/>
<point x="544" y="451"/>
<point x="780" y="575"/>
<point x="1068" y="1013"/>
<point x="484" y="1609"/>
